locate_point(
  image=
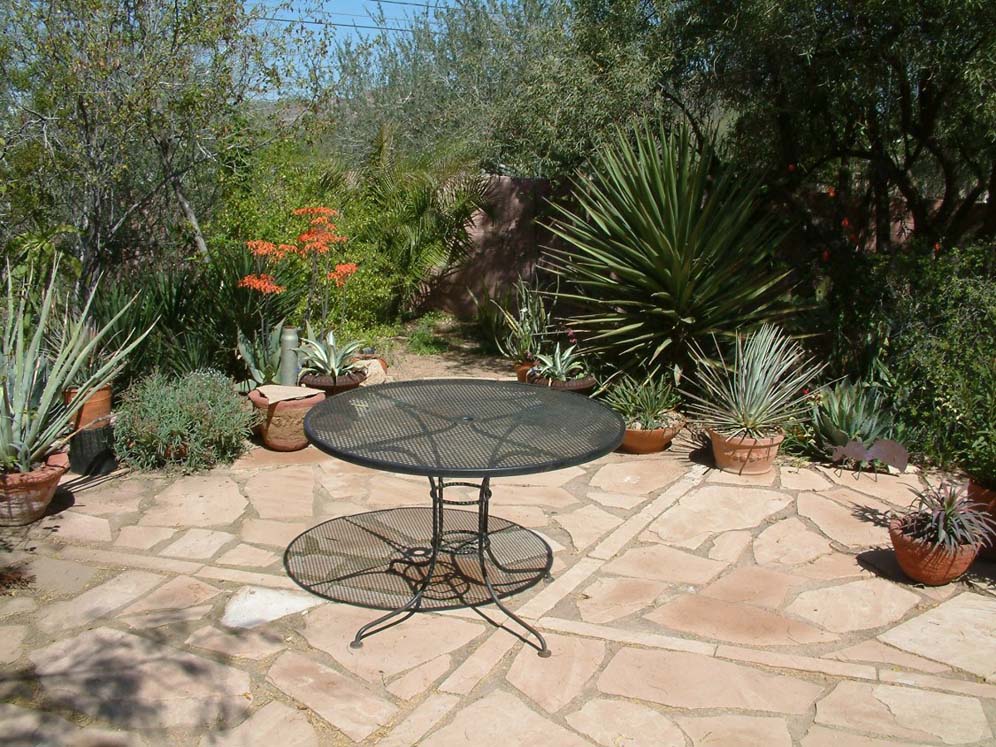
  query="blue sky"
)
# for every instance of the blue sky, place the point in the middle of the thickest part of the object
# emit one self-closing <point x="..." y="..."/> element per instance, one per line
<point x="348" y="17"/>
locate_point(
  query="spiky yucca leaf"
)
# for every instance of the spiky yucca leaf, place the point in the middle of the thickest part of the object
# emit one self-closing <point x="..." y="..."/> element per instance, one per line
<point x="666" y="248"/>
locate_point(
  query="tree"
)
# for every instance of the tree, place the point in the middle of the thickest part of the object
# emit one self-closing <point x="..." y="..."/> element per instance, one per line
<point x="118" y="117"/>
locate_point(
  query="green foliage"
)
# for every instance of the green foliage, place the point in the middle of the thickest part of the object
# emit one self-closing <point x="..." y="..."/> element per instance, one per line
<point x="561" y="364"/>
<point x="490" y="325"/>
<point x="976" y="451"/>
<point x="261" y="355"/>
<point x="529" y="323"/>
<point x="760" y="393"/>
<point x="666" y="248"/>
<point x="33" y="418"/>
<point x="326" y="357"/>
<point x="848" y="412"/>
<point x="649" y="403"/>
<point x="944" y="518"/>
<point x="423" y="339"/>
<point x="190" y="422"/>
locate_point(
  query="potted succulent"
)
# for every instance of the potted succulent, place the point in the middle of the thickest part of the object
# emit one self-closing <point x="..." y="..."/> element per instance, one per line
<point x="564" y="369"/>
<point x="746" y="404"/>
<point x="648" y="407"/>
<point x="939" y="535"/>
<point x="34" y="417"/>
<point x="96" y="408"/>
<point x="526" y="328"/>
<point x="328" y="366"/>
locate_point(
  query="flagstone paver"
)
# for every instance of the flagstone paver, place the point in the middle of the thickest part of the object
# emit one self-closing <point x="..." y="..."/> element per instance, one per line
<point x="713" y="509"/>
<point x="857" y="605"/>
<point x="689" y="607"/>
<point x="953" y="633"/>
<point x="736" y="731"/>
<point x="617" y="723"/>
<point x="904" y="713"/>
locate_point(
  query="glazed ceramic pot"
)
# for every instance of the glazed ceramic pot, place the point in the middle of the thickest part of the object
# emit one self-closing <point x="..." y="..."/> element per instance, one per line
<point x="282" y="426"/>
<point x="640" y="441"/>
<point x="583" y="386"/>
<point x="24" y="496"/>
<point x="744" y="455"/>
<point x="95" y="410"/>
<point x="333" y="385"/>
<point x="929" y="564"/>
<point x="987" y="497"/>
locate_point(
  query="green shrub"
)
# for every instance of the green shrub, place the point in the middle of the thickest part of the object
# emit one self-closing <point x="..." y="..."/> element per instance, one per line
<point x="189" y="422"/>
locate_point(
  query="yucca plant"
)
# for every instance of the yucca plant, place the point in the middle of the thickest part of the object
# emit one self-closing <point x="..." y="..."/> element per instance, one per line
<point x="649" y="404"/>
<point x="759" y="392"/>
<point x="666" y="248"/>
<point x="326" y="357"/>
<point x="942" y="517"/>
<point x="34" y="421"/>
<point x="848" y="412"/>
<point x="528" y="325"/>
<point x="563" y="364"/>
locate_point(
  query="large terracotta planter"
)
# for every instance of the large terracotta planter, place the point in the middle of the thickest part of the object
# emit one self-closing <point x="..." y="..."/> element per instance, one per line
<point x="926" y="563"/>
<point x="95" y="410"/>
<point x="333" y="385"/>
<point x="583" y="386"/>
<point x="282" y="426"/>
<point x="987" y="497"/>
<point x="639" y="441"/>
<point x="522" y="371"/>
<point x="743" y="455"/>
<point x="24" y="496"/>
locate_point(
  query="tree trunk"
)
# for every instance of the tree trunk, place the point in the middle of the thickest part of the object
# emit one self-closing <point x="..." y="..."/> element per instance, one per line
<point x="191" y="216"/>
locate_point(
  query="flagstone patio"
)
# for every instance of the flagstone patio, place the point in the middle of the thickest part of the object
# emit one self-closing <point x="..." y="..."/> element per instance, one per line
<point x="689" y="608"/>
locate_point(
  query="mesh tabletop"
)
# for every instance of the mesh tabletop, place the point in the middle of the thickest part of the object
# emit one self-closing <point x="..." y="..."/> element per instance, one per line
<point x="463" y="428"/>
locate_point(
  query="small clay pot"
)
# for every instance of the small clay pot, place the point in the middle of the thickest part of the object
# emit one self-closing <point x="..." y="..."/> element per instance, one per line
<point x="743" y="455"/>
<point x="987" y="497"/>
<point x="24" y="496"/>
<point x="333" y="385"/>
<point x="583" y="386"/>
<point x="639" y="441"/>
<point x="522" y="371"/>
<point x="282" y="428"/>
<point x="929" y="564"/>
<point x="95" y="410"/>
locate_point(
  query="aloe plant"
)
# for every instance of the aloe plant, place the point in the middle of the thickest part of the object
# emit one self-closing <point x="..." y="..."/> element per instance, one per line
<point x="665" y="249"/>
<point x="760" y="391"/>
<point x="650" y="403"/>
<point x="261" y="354"/>
<point x="34" y="420"/>
<point x="325" y="357"/>
<point x="563" y="364"/>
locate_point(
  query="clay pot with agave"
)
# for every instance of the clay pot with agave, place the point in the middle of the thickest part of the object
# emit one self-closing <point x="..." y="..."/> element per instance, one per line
<point x="584" y="385"/>
<point x="25" y="496"/>
<point x="744" y="455"/>
<point x="562" y="369"/>
<point x="281" y="427"/>
<point x="937" y="539"/>
<point x="648" y="407"/>
<point x="333" y="385"/>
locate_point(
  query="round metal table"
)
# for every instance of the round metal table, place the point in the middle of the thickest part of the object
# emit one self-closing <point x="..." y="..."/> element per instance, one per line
<point x="452" y="431"/>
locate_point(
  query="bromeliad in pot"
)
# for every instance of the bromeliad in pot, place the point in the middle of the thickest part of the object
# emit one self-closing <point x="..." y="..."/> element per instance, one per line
<point x="649" y="409"/>
<point x="746" y="403"/>
<point x="562" y="369"/>
<point x="939" y="535"/>
<point x="36" y="367"/>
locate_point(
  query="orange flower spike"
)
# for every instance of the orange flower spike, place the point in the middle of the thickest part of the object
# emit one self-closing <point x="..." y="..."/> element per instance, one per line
<point x="261" y="248"/>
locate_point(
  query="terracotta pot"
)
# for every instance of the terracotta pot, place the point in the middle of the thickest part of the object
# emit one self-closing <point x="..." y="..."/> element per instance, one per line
<point x="987" y="497"/>
<point x="583" y="386"/>
<point x="743" y="455"/>
<point x="926" y="563"/>
<point x="282" y="428"/>
<point x="522" y="371"/>
<point x="333" y="385"/>
<point x="98" y="405"/>
<point x="24" y="496"/>
<point x="639" y="441"/>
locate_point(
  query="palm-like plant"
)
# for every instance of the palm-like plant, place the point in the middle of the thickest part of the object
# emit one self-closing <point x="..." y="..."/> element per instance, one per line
<point x="760" y="391"/>
<point x="326" y="357"/>
<point x="666" y="248"/>
<point x="34" y="421"/>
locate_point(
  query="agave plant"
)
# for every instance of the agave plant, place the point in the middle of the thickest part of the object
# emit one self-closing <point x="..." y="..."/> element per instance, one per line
<point x="261" y="354"/>
<point x="563" y="364"/>
<point x="34" y="421"/>
<point x="325" y="357"/>
<point x="944" y="518"/>
<point x="528" y="326"/>
<point x="849" y="412"/>
<point x="666" y="248"/>
<point x="760" y="391"/>
<point x="650" y="403"/>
